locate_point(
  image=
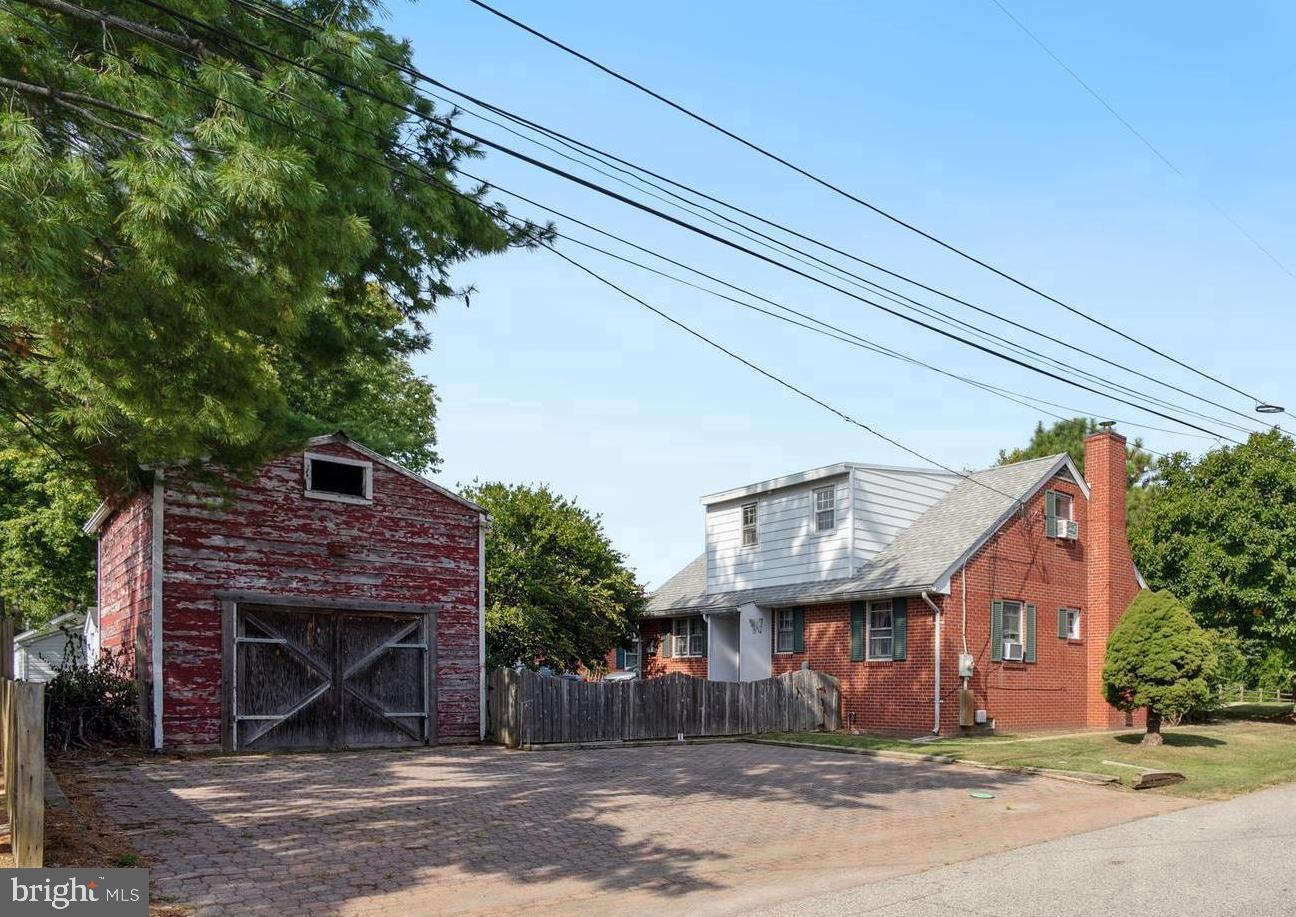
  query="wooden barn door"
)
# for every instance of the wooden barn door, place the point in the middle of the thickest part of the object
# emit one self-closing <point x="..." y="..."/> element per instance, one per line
<point x="325" y="678"/>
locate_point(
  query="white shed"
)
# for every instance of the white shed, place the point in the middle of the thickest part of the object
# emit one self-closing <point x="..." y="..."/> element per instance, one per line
<point x="40" y="653"/>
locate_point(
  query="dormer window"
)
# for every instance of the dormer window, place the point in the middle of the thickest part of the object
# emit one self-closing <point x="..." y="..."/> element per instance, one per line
<point x="825" y="508"/>
<point x="748" y="524"/>
<point x="345" y="480"/>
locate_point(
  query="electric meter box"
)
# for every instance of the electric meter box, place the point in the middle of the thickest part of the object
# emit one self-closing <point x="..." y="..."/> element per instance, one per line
<point x="965" y="665"/>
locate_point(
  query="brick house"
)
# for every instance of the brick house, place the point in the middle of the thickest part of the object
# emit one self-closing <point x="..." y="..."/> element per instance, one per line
<point x="333" y="599"/>
<point x="931" y="596"/>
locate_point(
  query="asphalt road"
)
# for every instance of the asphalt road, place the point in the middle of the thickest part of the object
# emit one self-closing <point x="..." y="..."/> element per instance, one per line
<point x="1214" y="860"/>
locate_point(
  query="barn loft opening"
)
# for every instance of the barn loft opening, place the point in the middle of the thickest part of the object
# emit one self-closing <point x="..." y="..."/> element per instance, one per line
<point x="339" y="478"/>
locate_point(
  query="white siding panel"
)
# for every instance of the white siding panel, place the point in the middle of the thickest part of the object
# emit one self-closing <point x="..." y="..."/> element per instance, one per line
<point x="889" y="501"/>
<point x="788" y="549"/>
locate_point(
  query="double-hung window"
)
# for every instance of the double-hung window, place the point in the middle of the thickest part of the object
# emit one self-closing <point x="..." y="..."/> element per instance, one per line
<point x="825" y="508"/>
<point x="748" y="511"/>
<point x="1069" y="623"/>
<point x="690" y="637"/>
<point x="784" y="630"/>
<point x="1059" y="515"/>
<point x="1014" y="629"/>
<point x="881" y="630"/>
<point x="630" y="655"/>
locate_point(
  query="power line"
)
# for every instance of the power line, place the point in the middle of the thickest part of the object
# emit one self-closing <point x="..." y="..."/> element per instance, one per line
<point x="483" y="141"/>
<point x="1140" y="136"/>
<point x="776" y="378"/>
<point x="845" y="336"/>
<point x="296" y="20"/>
<point x="888" y="293"/>
<point x="855" y="340"/>
<point x="854" y="198"/>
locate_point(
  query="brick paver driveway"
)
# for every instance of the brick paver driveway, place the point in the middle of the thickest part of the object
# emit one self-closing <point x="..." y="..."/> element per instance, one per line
<point x="712" y="828"/>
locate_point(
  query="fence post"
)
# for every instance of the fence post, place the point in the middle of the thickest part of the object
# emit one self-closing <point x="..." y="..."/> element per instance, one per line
<point x="27" y="821"/>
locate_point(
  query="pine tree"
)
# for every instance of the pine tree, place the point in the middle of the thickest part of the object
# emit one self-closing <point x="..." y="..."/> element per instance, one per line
<point x="1158" y="658"/>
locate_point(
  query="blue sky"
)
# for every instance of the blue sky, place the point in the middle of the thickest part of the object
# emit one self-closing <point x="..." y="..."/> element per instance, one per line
<point x="942" y="112"/>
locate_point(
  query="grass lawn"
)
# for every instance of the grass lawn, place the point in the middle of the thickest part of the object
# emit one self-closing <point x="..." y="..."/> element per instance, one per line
<point x="1245" y="748"/>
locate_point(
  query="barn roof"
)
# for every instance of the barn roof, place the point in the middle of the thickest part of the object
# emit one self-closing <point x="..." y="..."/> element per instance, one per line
<point x="107" y="507"/>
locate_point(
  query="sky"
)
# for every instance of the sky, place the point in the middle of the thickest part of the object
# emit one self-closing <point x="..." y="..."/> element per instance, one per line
<point x="941" y="112"/>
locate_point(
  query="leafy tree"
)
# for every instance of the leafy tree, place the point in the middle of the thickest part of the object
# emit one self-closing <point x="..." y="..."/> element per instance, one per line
<point x="1068" y="436"/>
<point x="193" y="232"/>
<point x="1158" y="658"/>
<point x="557" y="592"/>
<point x="46" y="561"/>
<point x="1220" y="532"/>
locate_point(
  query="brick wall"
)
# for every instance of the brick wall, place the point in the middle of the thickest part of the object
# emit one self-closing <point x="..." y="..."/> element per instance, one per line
<point x="654" y="665"/>
<point x="1060" y="689"/>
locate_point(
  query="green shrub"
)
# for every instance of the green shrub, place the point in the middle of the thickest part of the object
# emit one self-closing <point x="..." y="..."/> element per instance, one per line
<point x="94" y="705"/>
<point x="1158" y="658"/>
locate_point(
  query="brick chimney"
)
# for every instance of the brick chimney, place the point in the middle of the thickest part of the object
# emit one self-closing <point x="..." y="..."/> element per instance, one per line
<point x="1109" y="567"/>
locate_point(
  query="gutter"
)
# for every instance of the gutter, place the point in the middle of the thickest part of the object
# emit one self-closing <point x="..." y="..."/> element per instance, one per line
<point x="936" y="687"/>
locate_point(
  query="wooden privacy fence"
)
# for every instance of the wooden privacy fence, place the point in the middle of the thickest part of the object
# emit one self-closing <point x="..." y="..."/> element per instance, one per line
<point x="22" y="747"/>
<point x="527" y="708"/>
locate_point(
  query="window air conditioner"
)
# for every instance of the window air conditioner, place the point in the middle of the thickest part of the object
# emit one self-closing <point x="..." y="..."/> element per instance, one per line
<point x="1013" y="652"/>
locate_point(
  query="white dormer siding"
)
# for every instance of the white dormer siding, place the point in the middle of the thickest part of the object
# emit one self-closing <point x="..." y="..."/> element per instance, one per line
<point x="872" y="505"/>
<point x="889" y="500"/>
<point x="788" y="548"/>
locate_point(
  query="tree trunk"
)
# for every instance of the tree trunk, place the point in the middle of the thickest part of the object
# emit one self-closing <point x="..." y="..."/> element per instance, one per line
<point x="1153" y="735"/>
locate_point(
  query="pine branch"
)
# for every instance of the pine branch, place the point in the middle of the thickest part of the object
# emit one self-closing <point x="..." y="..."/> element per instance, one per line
<point x="172" y="39"/>
<point x="63" y="95"/>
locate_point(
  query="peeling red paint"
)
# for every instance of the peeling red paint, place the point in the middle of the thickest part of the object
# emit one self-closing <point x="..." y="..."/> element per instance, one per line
<point x="411" y="544"/>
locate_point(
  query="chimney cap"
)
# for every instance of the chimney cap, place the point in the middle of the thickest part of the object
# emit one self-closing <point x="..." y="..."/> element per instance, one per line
<point x="1107" y="425"/>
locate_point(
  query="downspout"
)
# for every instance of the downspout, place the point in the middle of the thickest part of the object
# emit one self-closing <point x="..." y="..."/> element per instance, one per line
<point x="155" y="604"/>
<point x="484" y="523"/>
<point x="936" y="617"/>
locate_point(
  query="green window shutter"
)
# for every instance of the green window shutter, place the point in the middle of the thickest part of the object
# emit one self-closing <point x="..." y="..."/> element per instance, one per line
<point x="899" y="628"/>
<point x="1050" y="513"/>
<point x="1062" y="623"/>
<point x="857" y="631"/>
<point x="996" y="632"/>
<point x="706" y="631"/>
<point x="620" y="657"/>
<point x="1029" y="655"/>
<point x="664" y="648"/>
<point x="798" y="630"/>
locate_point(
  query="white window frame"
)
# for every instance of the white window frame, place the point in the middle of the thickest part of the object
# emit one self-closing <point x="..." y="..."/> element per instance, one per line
<point x="818" y="510"/>
<point x="888" y="607"/>
<point x="780" y="616"/>
<point x="309" y="457"/>
<point x="684" y="631"/>
<point x="1073" y="623"/>
<point x="1020" y="629"/>
<point x="746" y="527"/>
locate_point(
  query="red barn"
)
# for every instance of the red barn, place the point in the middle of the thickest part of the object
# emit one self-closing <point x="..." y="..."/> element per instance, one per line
<point x="335" y="599"/>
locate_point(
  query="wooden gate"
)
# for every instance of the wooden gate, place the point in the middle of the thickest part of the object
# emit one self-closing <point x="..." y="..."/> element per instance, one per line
<point x="311" y="677"/>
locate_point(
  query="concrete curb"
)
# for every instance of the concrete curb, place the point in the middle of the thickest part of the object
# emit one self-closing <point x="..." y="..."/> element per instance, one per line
<point x="1072" y="776"/>
<point x="54" y="795"/>
<point x="631" y="743"/>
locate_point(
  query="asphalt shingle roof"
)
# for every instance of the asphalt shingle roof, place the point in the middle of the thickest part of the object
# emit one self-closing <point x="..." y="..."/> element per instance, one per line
<point x="917" y="559"/>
